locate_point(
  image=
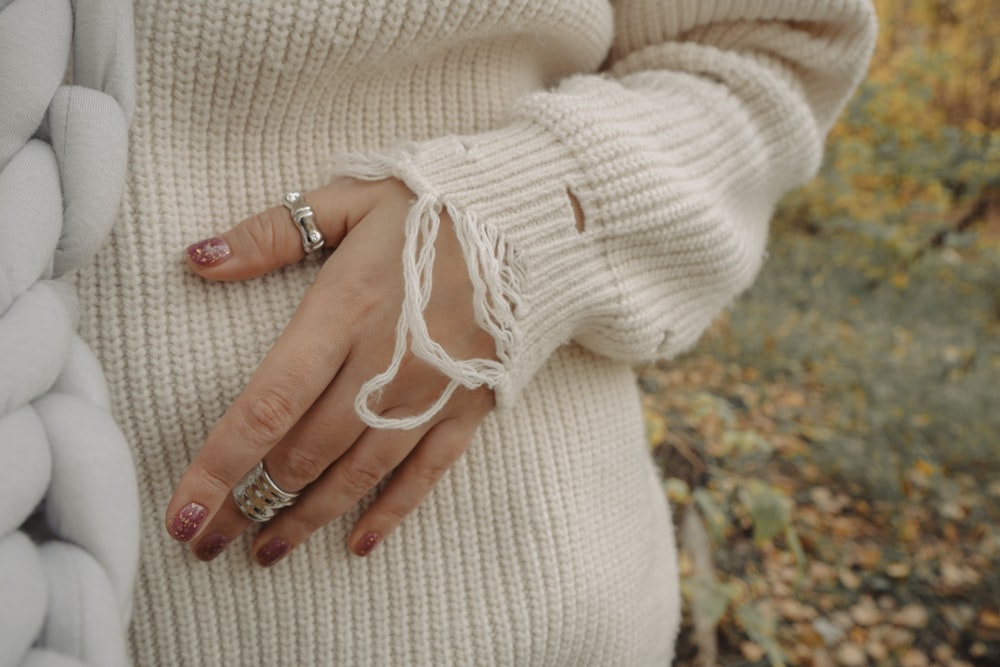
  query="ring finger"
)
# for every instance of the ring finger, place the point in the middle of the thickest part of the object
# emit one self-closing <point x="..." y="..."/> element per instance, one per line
<point x="325" y="432"/>
<point x="372" y="458"/>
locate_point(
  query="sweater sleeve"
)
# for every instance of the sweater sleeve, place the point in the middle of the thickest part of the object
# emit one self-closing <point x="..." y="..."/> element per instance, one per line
<point x="705" y="114"/>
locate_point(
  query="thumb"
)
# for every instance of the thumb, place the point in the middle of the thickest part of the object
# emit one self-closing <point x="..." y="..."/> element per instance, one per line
<point x="270" y="239"/>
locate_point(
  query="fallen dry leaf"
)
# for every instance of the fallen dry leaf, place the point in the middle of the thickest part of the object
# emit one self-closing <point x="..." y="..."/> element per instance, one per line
<point x="989" y="619"/>
<point x="914" y="658"/>
<point x="793" y="610"/>
<point x="898" y="570"/>
<point x="876" y="650"/>
<point x="751" y="651"/>
<point x="849" y="579"/>
<point x="899" y="638"/>
<point x="820" y="658"/>
<point x="956" y="577"/>
<point x="851" y="655"/>
<point x="911" y="616"/>
<point x="865" y="612"/>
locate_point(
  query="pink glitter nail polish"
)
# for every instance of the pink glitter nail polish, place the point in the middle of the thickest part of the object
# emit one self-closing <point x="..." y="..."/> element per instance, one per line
<point x="273" y="551"/>
<point x="210" y="252"/>
<point x="211" y="546"/>
<point x="187" y="521"/>
<point x="367" y="543"/>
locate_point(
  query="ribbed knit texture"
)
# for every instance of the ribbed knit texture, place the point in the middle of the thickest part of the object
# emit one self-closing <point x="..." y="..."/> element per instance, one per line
<point x="548" y="543"/>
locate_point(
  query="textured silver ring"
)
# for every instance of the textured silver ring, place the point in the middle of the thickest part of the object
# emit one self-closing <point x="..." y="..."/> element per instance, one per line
<point x="305" y="221"/>
<point x="258" y="497"/>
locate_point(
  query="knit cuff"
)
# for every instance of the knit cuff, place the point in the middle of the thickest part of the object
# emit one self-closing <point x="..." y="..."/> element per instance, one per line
<point x="507" y="194"/>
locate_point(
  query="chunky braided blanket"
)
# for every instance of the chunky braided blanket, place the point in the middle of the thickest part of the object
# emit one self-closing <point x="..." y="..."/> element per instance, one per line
<point x="69" y="526"/>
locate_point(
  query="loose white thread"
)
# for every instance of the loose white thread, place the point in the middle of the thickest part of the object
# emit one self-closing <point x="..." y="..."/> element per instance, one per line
<point x="494" y="285"/>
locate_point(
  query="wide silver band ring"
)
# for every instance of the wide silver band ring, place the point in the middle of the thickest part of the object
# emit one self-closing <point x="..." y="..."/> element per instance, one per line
<point x="258" y="497"/>
<point x="305" y="221"/>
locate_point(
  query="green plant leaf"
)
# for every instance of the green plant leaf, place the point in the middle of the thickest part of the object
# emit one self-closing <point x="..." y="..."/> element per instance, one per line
<point x="708" y="598"/>
<point x="760" y="629"/>
<point x="769" y="509"/>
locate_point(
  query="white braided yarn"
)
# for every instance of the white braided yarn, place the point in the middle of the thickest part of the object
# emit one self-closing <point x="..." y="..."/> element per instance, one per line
<point x="68" y="502"/>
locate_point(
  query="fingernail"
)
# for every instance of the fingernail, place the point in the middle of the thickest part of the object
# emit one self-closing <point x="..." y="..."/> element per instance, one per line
<point x="210" y="252"/>
<point x="367" y="543"/>
<point x="273" y="551"/>
<point x="187" y="521"/>
<point x="211" y="546"/>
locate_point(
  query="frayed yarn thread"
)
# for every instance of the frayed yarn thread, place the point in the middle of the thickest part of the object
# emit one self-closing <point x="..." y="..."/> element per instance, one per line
<point x="494" y="283"/>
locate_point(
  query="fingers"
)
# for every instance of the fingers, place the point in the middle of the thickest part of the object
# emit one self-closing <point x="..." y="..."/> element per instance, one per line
<point x="373" y="457"/>
<point x="304" y="359"/>
<point x="225" y="526"/>
<point x="290" y="416"/>
<point x="326" y="431"/>
<point x="302" y="362"/>
<point x="270" y="239"/>
<point x="322" y="436"/>
<point x="411" y="484"/>
<point x="296" y="370"/>
<point x="329" y="499"/>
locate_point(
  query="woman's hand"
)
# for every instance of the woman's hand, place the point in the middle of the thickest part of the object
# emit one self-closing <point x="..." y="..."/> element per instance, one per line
<point x="297" y="412"/>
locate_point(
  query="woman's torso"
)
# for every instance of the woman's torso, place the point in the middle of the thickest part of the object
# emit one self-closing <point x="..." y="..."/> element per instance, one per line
<point x="548" y="543"/>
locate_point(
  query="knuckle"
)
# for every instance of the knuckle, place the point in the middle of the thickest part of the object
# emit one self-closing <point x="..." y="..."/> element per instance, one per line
<point x="217" y="481"/>
<point x="267" y="417"/>
<point x="429" y="474"/>
<point x="394" y="513"/>
<point x="362" y="296"/>
<point x="262" y="230"/>
<point x="359" y="479"/>
<point x="301" y="466"/>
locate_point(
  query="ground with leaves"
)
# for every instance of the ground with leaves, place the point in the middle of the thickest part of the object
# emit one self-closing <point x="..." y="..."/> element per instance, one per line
<point x="832" y="448"/>
<point x="832" y="451"/>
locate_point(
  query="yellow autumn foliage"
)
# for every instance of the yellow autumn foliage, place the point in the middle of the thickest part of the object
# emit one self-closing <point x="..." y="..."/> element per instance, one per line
<point x="922" y="137"/>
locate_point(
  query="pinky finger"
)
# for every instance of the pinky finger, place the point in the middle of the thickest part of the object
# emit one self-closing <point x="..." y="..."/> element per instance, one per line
<point x="411" y="483"/>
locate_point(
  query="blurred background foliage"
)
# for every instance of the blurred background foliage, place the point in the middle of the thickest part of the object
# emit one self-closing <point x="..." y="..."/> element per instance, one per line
<point x="920" y="143"/>
<point x="831" y="448"/>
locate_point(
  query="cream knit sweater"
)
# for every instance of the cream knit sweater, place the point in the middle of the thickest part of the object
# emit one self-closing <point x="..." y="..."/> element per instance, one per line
<point x="549" y="543"/>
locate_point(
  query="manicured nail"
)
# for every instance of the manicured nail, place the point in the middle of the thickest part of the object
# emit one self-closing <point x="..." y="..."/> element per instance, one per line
<point x="273" y="551"/>
<point x="211" y="546"/>
<point x="210" y="252"/>
<point x="367" y="543"/>
<point x="187" y="521"/>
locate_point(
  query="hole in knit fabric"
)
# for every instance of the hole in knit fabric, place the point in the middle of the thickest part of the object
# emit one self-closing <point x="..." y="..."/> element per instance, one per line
<point x="577" y="210"/>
